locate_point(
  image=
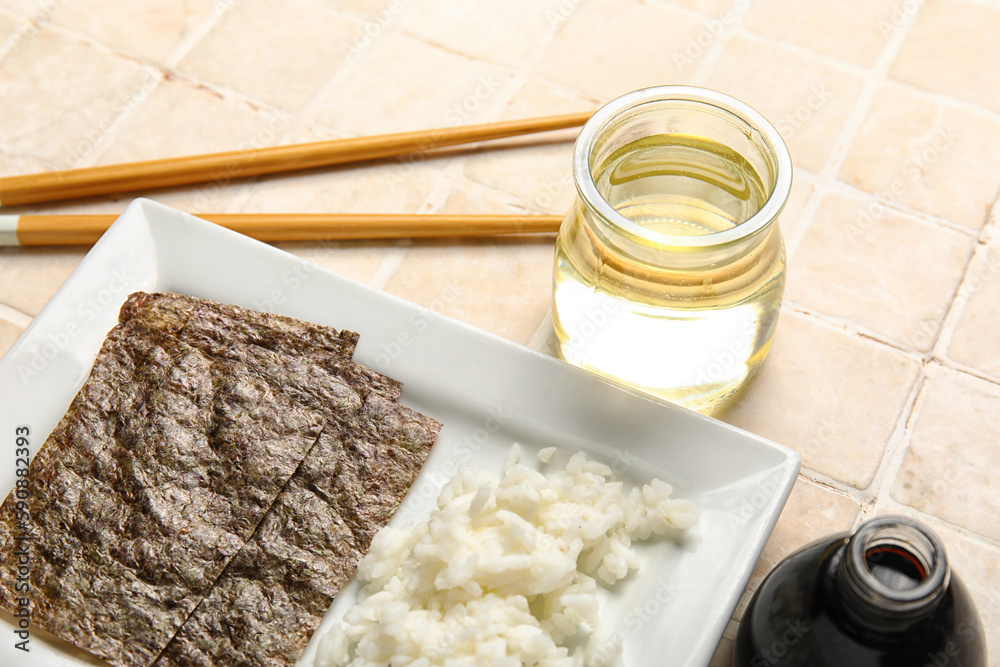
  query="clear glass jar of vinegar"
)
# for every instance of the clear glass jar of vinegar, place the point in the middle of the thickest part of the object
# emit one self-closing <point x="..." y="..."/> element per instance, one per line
<point x="669" y="267"/>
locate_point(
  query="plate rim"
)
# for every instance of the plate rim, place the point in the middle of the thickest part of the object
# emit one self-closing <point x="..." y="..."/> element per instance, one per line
<point x="142" y="217"/>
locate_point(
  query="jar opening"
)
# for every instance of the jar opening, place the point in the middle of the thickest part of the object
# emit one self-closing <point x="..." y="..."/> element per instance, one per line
<point x="895" y="566"/>
<point x="900" y="561"/>
<point x="894" y="573"/>
<point x="682" y="167"/>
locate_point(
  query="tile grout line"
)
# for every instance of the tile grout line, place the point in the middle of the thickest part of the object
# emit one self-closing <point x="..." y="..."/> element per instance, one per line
<point x="454" y="168"/>
<point x="309" y="112"/>
<point x="832" y="484"/>
<point x="874" y="78"/>
<point x="853" y="330"/>
<point x="966" y="533"/>
<point x="390" y="264"/>
<point x="847" y="190"/>
<point x="15" y="316"/>
<point x="899" y="442"/>
<point x="977" y="269"/>
<point x="868" y="73"/>
<point x="708" y="63"/>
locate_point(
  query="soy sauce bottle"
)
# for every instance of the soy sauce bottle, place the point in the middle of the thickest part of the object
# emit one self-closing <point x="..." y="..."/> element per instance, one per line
<point x="884" y="596"/>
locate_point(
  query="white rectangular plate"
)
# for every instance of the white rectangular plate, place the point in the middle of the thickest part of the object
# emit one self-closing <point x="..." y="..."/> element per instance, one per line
<point x="488" y="393"/>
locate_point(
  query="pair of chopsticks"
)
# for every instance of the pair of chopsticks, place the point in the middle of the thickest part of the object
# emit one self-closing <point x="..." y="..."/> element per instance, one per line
<point x="168" y="172"/>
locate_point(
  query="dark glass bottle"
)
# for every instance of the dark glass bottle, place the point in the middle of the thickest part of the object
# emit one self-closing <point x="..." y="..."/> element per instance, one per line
<point x="882" y="597"/>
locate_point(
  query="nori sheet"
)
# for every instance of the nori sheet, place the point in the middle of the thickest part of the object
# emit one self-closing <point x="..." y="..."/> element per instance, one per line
<point x="274" y="593"/>
<point x="166" y="461"/>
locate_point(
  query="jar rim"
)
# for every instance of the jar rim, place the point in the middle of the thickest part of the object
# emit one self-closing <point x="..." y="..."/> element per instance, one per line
<point x="914" y="538"/>
<point x="602" y="118"/>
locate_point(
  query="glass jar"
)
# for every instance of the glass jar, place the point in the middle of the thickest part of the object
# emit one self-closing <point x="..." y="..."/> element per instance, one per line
<point x="885" y="595"/>
<point x="670" y="267"/>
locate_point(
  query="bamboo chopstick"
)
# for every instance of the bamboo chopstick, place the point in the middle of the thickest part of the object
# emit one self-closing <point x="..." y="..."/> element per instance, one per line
<point x="224" y="167"/>
<point x="37" y="230"/>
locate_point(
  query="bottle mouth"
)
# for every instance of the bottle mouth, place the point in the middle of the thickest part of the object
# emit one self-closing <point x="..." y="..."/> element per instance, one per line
<point x="691" y="110"/>
<point x="897" y="570"/>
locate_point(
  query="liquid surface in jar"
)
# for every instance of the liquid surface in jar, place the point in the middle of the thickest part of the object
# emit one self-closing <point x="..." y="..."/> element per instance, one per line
<point x="692" y="334"/>
<point x="679" y="184"/>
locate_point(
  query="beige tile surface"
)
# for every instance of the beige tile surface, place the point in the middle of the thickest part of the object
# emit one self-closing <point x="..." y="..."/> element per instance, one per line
<point x="12" y="30"/>
<point x="811" y="512"/>
<point x="714" y="8"/>
<point x="61" y="96"/>
<point x="540" y="97"/>
<point x="792" y="221"/>
<point x="8" y="334"/>
<point x="22" y="8"/>
<point x="30" y="276"/>
<point x="852" y="30"/>
<point x="885" y="271"/>
<point x="181" y="119"/>
<point x="606" y="48"/>
<point x="12" y="165"/>
<point x="149" y="29"/>
<point x="482" y="28"/>
<point x="950" y="467"/>
<point x="540" y="174"/>
<point x="376" y="188"/>
<point x="806" y="99"/>
<point x="974" y="342"/>
<point x="280" y="52"/>
<point x="470" y="197"/>
<point x="383" y="11"/>
<point x="952" y="36"/>
<point x="393" y="185"/>
<point x="401" y="83"/>
<point x="918" y="152"/>
<point x="454" y="278"/>
<point x="832" y="397"/>
<point x="723" y="654"/>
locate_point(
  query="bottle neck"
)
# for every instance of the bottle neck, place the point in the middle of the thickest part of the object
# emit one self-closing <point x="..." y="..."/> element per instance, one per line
<point x="893" y="575"/>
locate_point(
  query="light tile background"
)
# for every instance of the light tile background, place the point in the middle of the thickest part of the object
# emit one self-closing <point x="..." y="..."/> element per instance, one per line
<point x="885" y="373"/>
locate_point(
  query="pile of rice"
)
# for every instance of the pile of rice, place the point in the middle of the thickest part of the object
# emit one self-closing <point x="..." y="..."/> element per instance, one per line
<point x="505" y="572"/>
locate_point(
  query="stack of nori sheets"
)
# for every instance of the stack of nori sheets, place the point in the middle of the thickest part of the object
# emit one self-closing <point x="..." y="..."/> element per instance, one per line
<point x="211" y="487"/>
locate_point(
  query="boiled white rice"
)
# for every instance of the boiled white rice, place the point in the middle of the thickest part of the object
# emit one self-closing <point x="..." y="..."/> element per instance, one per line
<point x="505" y="572"/>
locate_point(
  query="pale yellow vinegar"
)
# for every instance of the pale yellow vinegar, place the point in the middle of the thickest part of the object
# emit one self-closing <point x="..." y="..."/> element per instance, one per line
<point x="693" y="336"/>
